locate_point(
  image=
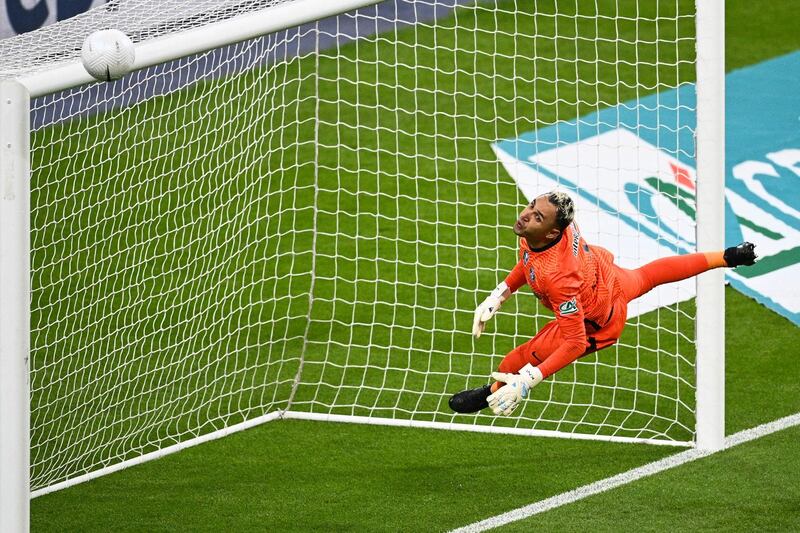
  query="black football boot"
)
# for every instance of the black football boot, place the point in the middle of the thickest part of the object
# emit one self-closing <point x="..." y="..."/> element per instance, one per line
<point x="742" y="255"/>
<point x="471" y="401"/>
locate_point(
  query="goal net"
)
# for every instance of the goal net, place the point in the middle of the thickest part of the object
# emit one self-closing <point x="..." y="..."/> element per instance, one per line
<point x="302" y="224"/>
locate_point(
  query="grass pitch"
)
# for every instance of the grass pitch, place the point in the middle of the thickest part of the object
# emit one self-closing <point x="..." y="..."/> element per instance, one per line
<point x="311" y="476"/>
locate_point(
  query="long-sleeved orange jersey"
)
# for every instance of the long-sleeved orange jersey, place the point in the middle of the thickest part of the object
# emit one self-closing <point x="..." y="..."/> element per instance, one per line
<point x="574" y="280"/>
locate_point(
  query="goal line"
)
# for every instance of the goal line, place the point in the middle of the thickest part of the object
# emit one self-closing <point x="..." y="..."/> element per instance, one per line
<point x="323" y="417"/>
<point x="624" y="478"/>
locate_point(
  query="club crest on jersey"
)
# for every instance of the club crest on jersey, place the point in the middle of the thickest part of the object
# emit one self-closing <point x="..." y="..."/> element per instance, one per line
<point x="525" y="256"/>
<point x="533" y="275"/>
<point x="569" y="307"/>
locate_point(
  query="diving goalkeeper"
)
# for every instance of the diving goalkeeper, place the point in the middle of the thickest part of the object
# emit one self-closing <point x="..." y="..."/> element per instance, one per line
<point x="580" y="283"/>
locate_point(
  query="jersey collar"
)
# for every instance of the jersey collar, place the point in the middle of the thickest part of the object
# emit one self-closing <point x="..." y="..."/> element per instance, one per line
<point x="547" y="246"/>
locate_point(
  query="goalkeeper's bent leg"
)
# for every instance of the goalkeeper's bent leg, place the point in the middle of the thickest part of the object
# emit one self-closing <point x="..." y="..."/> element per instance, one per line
<point x="533" y="352"/>
<point x="542" y="345"/>
<point x="538" y="350"/>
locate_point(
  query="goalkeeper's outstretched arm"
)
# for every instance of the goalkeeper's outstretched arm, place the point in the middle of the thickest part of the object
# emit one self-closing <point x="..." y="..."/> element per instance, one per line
<point x="489" y="307"/>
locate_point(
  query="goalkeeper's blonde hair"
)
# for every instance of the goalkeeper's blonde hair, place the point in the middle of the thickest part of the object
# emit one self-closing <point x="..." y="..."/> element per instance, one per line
<point x="565" y="208"/>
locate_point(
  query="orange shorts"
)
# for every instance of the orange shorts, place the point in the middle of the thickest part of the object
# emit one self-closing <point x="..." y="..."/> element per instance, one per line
<point x="549" y="338"/>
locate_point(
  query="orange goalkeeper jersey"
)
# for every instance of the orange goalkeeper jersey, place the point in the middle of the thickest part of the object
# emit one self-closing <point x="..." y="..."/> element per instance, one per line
<point x="574" y="280"/>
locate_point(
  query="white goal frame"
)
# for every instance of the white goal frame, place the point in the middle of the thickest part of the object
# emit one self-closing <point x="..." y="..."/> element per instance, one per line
<point x="15" y="97"/>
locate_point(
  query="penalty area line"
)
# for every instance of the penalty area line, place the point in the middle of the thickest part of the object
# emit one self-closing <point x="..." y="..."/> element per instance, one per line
<point x="627" y="477"/>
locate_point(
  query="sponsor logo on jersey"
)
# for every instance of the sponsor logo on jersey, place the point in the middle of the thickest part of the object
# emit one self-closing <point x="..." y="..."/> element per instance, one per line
<point x="576" y="239"/>
<point x="568" y="308"/>
<point x="631" y="171"/>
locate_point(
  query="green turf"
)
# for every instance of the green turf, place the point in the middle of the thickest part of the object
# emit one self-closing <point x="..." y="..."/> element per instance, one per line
<point x="757" y="31"/>
<point x="752" y="487"/>
<point x="209" y="302"/>
<point x="312" y="476"/>
<point x="317" y="476"/>
<point x="755" y="396"/>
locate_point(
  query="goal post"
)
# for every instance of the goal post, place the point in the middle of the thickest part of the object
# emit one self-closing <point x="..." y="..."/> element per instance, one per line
<point x="282" y="215"/>
<point x="15" y="298"/>
<point x="711" y="222"/>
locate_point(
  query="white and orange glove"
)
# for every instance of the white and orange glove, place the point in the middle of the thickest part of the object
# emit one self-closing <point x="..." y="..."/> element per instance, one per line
<point x="516" y="388"/>
<point x="489" y="308"/>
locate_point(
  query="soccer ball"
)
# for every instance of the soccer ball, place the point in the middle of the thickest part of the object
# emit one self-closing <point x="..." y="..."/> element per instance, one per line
<point x="107" y="54"/>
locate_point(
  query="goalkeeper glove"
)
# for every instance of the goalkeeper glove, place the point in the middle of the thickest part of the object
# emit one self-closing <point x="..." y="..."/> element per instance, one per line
<point x="489" y="307"/>
<point x="517" y="386"/>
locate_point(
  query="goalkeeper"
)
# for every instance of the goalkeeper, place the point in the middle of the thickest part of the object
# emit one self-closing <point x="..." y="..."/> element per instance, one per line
<point x="580" y="283"/>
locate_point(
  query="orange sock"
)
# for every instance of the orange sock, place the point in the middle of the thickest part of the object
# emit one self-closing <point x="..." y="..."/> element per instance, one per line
<point x="715" y="259"/>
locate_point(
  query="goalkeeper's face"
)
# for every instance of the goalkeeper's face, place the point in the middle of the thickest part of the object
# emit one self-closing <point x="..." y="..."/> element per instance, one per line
<point x="537" y="222"/>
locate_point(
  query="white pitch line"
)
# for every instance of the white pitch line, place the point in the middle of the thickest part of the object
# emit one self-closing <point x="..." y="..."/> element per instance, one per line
<point x="627" y="477"/>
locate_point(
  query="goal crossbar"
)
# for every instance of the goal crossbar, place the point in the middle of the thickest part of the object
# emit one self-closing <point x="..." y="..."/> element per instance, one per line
<point x="194" y="41"/>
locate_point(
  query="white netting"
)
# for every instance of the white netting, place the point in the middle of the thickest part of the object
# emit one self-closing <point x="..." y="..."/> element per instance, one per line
<point x="139" y="19"/>
<point x="411" y="127"/>
<point x="202" y="228"/>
